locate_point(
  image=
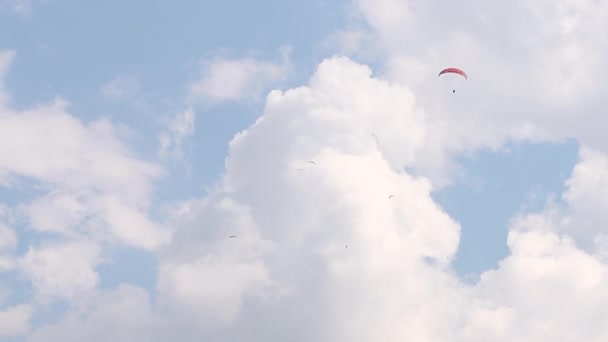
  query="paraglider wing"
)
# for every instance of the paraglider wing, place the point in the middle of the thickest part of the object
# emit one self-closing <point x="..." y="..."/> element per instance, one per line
<point x="453" y="71"/>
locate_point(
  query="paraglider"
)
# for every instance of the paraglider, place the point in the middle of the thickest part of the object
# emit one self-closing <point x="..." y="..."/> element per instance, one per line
<point x="454" y="71"/>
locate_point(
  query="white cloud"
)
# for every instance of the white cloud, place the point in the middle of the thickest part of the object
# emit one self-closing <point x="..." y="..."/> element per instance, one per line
<point x="107" y="217"/>
<point x="65" y="269"/>
<point x="67" y="151"/>
<point x="6" y="263"/>
<point x="180" y="129"/>
<point x="8" y="244"/>
<point x="60" y="212"/>
<point x="15" y="320"/>
<point x="131" y="224"/>
<point x="546" y="280"/>
<point x="82" y="166"/>
<point x="8" y="239"/>
<point x="86" y="191"/>
<point x="207" y="273"/>
<point x="581" y="213"/>
<point x="538" y="77"/>
<point x="121" y="87"/>
<point x="325" y="249"/>
<point x="558" y="264"/>
<point x="226" y="79"/>
<point x="127" y="311"/>
<point x="587" y="195"/>
<point x="321" y="249"/>
<point x="289" y="256"/>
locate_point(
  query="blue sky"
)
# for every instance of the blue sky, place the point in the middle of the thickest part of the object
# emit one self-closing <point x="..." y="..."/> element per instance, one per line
<point x="501" y="185"/>
<point x="138" y="135"/>
<point x="161" y="54"/>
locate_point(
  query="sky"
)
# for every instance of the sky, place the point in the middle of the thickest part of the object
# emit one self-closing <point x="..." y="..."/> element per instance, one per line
<point x="296" y="170"/>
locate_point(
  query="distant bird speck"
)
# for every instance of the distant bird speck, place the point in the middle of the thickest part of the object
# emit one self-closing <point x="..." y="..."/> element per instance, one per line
<point x="391" y="196"/>
<point x="232" y="236"/>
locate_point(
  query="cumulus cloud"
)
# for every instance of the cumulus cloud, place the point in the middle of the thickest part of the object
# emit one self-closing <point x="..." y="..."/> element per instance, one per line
<point x="127" y="309"/>
<point x="320" y="232"/>
<point x="235" y="79"/>
<point x="83" y="190"/>
<point x="66" y="269"/>
<point x="335" y="237"/>
<point x="580" y="212"/>
<point x="328" y="198"/>
<point x="84" y="168"/>
<point x="206" y="273"/>
<point x="547" y="278"/>
<point x="538" y="78"/>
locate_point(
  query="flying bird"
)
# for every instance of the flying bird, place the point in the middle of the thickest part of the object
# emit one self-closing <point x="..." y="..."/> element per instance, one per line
<point x="232" y="236"/>
<point x="391" y="196"/>
<point x="311" y="162"/>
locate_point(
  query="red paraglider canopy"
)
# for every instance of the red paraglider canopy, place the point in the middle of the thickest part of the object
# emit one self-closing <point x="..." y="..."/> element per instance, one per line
<point x="453" y="71"/>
